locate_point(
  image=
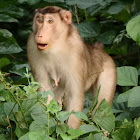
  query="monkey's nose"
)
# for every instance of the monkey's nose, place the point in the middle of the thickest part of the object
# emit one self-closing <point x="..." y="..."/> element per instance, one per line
<point x="39" y="36"/>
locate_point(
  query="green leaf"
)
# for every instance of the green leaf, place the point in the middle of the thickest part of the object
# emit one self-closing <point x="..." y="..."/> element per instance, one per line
<point x="41" y="135"/>
<point x="53" y="107"/>
<point x="81" y="115"/>
<point x="6" y="18"/>
<point x="30" y="2"/>
<point x="127" y="76"/>
<point x="3" y="119"/>
<point x="137" y="127"/>
<point x="66" y="137"/>
<point x="133" y="28"/>
<point x="134" y="97"/>
<point x="75" y="133"/>
<point x="97" y="136"/>
<point x="2" y="98"/>
<point x="94" y="9"/>
<point x="82" y="4"/>
<point x="10" y="107"/>
<point x="38" y="113"/>
<point x="13" y="10"/>
<point x="40" y="125"/>
<point x="89" y="29"/>
<point x="25" y="137"/>
<point x="137" y="3"/>
<point x="52" y="1"/>
<point x="91" y="137"/>
<point x="2" y="137"/>
<point x="44" y="94"/>
<point x="4" y="61"/>
<point x="107" y="37"/>
<point x="88" y="128"/>
<point x="104" y="116"/>
<point x="123" y="97"/>
<point x="123" y="16"/>
<point x="116" y="8"/>
<point x="125" y="132"/>
<point x="8" y="44"/>
<point x="62" y="116"/>
<point x="29" y="104"/>
<point x="62" y="129"/>
<point x="2" y="87"/>
<point x="19" y="69"/>
<point x="20" y="131"/>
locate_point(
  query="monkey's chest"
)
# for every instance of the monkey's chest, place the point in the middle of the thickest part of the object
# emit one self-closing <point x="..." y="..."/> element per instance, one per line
<point x="56" y="74"/>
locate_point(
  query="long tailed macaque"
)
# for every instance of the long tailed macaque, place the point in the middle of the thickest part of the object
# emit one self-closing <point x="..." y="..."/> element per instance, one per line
<point x="60" y="61"/>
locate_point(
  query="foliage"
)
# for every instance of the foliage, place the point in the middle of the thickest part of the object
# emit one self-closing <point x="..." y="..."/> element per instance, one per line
<point x="23" y="112"/>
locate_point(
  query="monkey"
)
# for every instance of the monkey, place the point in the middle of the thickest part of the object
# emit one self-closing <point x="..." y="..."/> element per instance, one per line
<point x="60" y="61"/>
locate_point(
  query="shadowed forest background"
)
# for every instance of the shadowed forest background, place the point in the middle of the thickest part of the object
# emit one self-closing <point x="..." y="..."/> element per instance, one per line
<point x="23" y="112"/>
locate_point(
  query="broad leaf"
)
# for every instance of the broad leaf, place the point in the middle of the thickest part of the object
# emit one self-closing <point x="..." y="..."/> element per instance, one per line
<point x="62" y="116"/>
<point x="38" y="113"/>
<point x="41" y="135"/>
<point x="2" y="137"/>
<point x="30" y="2"/>
<point x="53" y="107"/>
<point x="137" y="128"/>
<point x="127" y="76"/>
<point x="10" y="108"/>
<point x="12" y="10"/>
<point x="123" y="97"/>
<point x="107" y="37"/>
<point x="125" y="132"/>
<point x="81" y="115"/>
<point x="6" y="18"/>
<point x="8" y="44"/>
<point x="62" y="129"/>
<point x="133" y="29"/>
<point x="134" y="97"/>
<point x="19" y="69"/>
<point x="104" y="116"/>
<point x="89" y="29"/>
<point x="4" y="61"/>
<point x="116" y="8"/>
<point x="88" y="128"/>
<point x="75" y="133"/>
<point x="82" y="4"/>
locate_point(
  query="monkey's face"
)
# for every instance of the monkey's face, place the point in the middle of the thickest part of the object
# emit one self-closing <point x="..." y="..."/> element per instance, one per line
<point x="49" y="28"/>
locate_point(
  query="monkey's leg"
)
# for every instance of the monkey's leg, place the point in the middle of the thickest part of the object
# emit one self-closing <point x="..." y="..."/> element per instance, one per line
<point x="43" y="78"/>
<point x="59" y="94"/>
<point x="75" y="103"/>
<point x="107" y="83"/>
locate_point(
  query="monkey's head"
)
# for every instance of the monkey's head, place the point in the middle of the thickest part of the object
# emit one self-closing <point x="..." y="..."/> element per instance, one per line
<point x="50" y="25"/>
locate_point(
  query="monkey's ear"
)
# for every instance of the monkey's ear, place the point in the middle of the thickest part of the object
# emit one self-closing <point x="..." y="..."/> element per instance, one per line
<point x="68" y="17"/>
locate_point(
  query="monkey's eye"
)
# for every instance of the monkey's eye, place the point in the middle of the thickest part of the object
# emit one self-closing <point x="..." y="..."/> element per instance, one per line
<point x="49" y="20"/>
<point x="39" y="19"/>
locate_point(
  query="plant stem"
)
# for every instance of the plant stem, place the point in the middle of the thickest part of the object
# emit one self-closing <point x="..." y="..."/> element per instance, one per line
<point x="10" y="128"/>
<point x="48" y="123"/>
<point x="76" y="14"/>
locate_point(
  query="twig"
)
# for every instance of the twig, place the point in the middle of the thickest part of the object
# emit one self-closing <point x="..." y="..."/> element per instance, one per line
<point x="10" y="128"/>
<point x="123" y="56"/>
<point x="76" y="14"/>
<point x="12" y="56"/>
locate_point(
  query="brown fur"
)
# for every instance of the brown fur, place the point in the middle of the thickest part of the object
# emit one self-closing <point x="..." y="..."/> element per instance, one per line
<point x="67" y="66"/>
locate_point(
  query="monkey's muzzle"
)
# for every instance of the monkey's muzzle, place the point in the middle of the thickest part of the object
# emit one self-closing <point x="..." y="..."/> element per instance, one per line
<point x="41" y="46"/>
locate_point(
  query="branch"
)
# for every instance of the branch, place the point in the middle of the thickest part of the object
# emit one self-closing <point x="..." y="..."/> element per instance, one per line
<point x="76" y="14"/>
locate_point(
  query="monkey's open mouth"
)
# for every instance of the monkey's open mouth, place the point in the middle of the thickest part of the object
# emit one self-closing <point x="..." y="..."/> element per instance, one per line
<point x="42" y="46"/>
